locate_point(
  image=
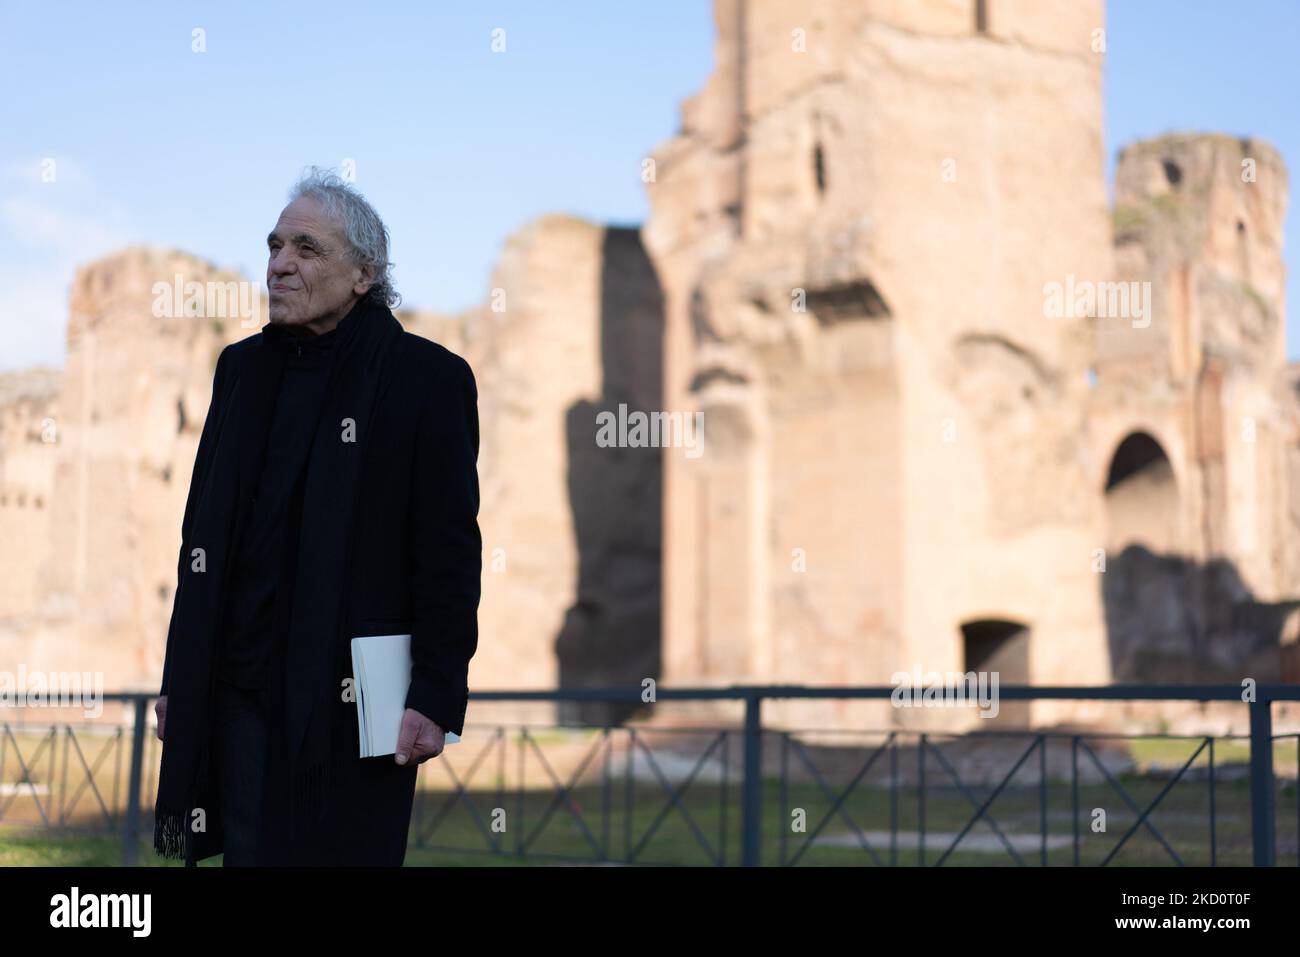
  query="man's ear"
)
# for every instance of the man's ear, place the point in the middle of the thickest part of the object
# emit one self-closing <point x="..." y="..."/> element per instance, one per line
<point x="365" y="279"/>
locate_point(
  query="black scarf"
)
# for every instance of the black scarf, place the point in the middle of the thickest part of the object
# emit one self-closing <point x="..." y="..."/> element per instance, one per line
<point x="316" y="642"/>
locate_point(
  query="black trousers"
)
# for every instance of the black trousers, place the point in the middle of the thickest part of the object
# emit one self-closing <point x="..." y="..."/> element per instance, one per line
<point x="243" y="750"/>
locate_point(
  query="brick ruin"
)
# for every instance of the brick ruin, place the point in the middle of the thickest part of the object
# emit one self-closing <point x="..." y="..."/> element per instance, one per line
<point x="911" y="458"/>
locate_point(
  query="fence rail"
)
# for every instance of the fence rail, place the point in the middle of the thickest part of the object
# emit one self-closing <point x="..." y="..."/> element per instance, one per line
<point x="922" y="752"/>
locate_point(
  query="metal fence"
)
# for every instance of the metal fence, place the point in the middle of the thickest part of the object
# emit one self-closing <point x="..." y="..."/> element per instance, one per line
<point x="921" y="787"/>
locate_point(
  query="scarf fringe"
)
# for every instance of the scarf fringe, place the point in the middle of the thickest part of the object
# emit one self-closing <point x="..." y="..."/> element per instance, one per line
<point x="169" y="834"/>
<point x="310" y="803"/>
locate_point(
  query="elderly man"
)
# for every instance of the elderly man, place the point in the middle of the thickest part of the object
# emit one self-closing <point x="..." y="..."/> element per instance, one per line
<point x="334" y="495"/>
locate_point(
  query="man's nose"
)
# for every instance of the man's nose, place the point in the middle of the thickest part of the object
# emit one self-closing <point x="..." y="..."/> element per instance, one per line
<point x="283" y="265"/>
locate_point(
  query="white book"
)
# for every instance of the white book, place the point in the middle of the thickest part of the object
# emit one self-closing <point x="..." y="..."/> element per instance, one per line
<point x="381" y="665"/>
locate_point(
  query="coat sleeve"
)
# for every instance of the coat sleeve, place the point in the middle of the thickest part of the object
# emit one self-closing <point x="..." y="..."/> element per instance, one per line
<point x="202" y="458"/>
<point x="446" y="550"/>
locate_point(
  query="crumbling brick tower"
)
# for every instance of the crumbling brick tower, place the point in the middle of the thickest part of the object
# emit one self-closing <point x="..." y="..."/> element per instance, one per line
<point x="1190" y="422"/>
<point x="854" y="229"/>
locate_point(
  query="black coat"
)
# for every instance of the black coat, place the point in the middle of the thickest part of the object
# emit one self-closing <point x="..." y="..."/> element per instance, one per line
<point x="389" y="543"/>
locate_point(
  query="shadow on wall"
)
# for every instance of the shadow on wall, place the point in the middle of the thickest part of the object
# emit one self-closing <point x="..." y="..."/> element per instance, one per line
<point x="1170" y="619"/>
<point x="611" y="634"/>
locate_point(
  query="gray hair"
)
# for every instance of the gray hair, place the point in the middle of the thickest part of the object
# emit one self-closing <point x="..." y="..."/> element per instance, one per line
<point x="366" y="234"/>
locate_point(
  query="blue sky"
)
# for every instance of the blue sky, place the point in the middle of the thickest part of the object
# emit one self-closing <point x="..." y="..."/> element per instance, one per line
<point x="456" y="146"/>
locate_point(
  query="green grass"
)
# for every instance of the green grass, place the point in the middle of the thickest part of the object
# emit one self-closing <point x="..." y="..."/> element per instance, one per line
<point x="1173" y="752"/>
<point x="65" y="849"/>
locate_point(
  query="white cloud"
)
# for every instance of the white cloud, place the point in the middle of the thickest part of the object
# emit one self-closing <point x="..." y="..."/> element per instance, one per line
<point x="47" y="230"/>
<point x="36" y="223"/>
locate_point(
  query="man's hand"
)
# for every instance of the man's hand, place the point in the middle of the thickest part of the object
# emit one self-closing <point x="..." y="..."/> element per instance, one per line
<point x="160" y="709"/>
<point x="420" y="738"/>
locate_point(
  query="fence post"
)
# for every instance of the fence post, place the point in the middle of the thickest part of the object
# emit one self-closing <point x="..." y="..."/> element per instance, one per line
<point x="753" y="785"/>
<point x="131" y="831"/>
<point x="1261" y="783"/>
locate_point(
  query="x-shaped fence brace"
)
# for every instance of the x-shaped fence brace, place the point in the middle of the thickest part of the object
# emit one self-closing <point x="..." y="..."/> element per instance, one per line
<point x="838" y="802"/>
<point x="925" y="746"/>
<point x="461" y="793"/>
<point x="837" y="807"/>
<point x="1145" y="814"/>
<point x="981" y="810"/>
<point x="673" y="797"/>
<point x="563" y="795"/>
<point x="26" y="771"/>
<point x="66" y="804"/>
<point x="111" y="745"/>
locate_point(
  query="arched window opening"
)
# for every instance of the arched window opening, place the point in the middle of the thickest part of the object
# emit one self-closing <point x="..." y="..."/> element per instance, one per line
<point x="1141" y="497"/>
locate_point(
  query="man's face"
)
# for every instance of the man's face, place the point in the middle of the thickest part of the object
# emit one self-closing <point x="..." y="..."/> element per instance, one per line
<point x="312" y="279"/>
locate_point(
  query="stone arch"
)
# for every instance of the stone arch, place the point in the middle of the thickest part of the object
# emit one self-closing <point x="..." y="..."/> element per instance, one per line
<point x="1141" y="496"/>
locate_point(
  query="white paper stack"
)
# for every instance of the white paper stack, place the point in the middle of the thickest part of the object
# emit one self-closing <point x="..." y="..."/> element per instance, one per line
<point x="381" y="665"/>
